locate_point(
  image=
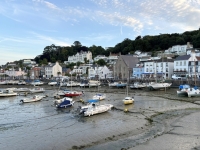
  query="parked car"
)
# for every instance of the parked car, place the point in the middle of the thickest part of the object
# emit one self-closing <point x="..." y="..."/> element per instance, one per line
<point x="176" y="77"/>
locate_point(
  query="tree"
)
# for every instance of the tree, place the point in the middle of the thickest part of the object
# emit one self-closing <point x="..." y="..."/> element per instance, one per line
<point x="101" y="62"/>
<point x="77" y="44"/>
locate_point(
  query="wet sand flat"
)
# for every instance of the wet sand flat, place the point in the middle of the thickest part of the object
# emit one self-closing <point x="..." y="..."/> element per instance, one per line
<point x="154" y="117"/>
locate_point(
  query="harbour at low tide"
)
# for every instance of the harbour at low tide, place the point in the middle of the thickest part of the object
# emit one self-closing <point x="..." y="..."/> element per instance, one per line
<point x="156" y="120"/>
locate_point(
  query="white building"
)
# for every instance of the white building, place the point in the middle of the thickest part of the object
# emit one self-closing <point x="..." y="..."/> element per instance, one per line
<point x="101" y="57"/>
<point x="112" y="58"/>
<point x="15" y="73"/>
<point x="28" y="62"/>
<point x="53" y="70"/>
<point x="99" y="72"/>
<point x="181" y="65"/>
<point x="179" y="49"/>
<point x="162" y="68"/>
<point x="79" y="57"/>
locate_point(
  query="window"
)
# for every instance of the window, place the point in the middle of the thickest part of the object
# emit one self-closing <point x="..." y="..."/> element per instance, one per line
<point x="184" y="63"/>
<point x="192" y="63"/>
<point x="176" y="63"/>
<point x="181" y="63"/>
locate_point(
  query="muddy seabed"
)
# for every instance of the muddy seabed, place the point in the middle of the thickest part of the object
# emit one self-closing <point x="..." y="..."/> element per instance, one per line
<point x="156" y="120"/>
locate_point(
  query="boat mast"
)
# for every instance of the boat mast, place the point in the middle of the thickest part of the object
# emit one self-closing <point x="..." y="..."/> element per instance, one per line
<point x="195" y="72"/>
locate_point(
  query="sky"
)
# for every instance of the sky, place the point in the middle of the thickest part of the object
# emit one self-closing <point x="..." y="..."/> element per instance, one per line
<point x="28" y="26"/>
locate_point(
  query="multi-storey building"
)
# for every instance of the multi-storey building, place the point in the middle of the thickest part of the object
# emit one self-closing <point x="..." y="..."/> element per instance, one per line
<point x="138" y="70"/>
<point x="112" y="58"/>
<point x="162" y="68"/>
<point x="80" y="57"/>
<point x="99" y="72"/>
<point x="101" y="57"/>
<point x="179" y="49"/>
<point x="53" y="70"/>
<point x="124" y="66"/>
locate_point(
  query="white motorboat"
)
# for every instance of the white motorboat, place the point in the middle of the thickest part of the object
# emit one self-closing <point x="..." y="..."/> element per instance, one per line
<point x="93" y="108"/>
<point x="84" y="84"/>
<point x="7" y="92"/>
<point x="52" y="83"/>
<point x="94" y="83"/>
<point x="113" y="84"/>
<point x="182" y="92"/>
<point x="3" y="82"/>
<point x="99" y="96"/>
<point x="21" y="90"/>
<point x="37" y="90"/>
<point x="35" y="98"/>
<point x="12" y="82"/>
<point x="192" y="92"/>
<point x="37" y="82"/>
<point x="156" y="86"/>
<point x="21" y="82"/>
<point x="73" y="84"/>
<point x="138" y="85"/>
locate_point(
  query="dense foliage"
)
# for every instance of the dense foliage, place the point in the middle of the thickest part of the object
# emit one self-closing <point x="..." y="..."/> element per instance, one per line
<point x="147" y="43"/>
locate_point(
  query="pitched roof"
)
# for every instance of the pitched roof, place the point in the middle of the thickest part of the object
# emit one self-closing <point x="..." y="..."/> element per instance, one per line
<point x="165" y="60"/>
<point x="183" y="57"/>
<point x="198" y="58"/>
<point x="130" y="61"/>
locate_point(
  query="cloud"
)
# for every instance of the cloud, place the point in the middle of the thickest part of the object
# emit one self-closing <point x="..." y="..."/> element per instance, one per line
<point x="48" y="39"/>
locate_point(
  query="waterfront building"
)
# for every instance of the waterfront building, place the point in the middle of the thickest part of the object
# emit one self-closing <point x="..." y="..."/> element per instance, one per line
<point x="99" y="72"/>
<point x="138" y="70"/>
<point x="15" y="73"/>
<point x="181" y="65"/>
<point x="124" y="66"/>
<point x="162" y="68"/>
<point x="53" y="70"/>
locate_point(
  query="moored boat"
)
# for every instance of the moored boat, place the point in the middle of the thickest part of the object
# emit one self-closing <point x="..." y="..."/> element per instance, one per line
<point x="99" y="96"/>
<point x="52" y="83"/>
<point x="121" y="85"/>
<point x="7" y="92"/>
<point x="183" y="90"/>
<point x="64" y="102"/>
<point x="93" y="108"/>
<point x="192" y="92"/>
<point x="94" y="83"/>
<point x="112" y="84"/>
<point x="37" y="82"/>
<point x="73" y="93"/>
<point x="35" y="98"/>
<point x="128" y="100"/>
<point x="156" y="86"/>
<point x="37" y="90"/>
<point x="21" y="90"/>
